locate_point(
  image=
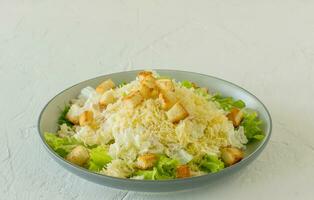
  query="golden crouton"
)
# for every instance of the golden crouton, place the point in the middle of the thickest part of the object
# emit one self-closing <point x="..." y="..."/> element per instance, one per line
<point x="147" y="78"/>
<point x="236" y="116"/>
<point x="79" y="155"/>
<point x="231" y="155"/>
<point x="133" y="99"/>
<point x="147" y="92"/>
<point x="194" y="85"/>
<point x="74" y="114"/>
<point x="183" y="171"/>
<point x="106" y="99"/>
<point x="144" y="74"/>
<point x="149" y="82"/>
<point x="177" y="113"/>
<point x="168" y="99"/>
<point x="104" y="86"/>
<point x="146" y="161"/>
<point x="165" y="84"/>
<point x="86" y="118"/>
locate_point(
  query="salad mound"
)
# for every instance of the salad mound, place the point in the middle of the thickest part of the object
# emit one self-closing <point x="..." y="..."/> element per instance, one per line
<point x="154" y="128"/>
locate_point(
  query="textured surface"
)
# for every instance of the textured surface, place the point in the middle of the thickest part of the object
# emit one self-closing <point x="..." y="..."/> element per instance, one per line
<point x="266" y="47"/>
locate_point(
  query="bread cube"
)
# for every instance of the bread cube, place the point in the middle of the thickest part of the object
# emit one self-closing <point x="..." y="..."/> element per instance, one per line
<point x="106" y="99"/>
<point x="105" y="86"/>
<point x="177" y="113"/>
<point x="165" y="84"/>
<point x="168" y="99"/>
<point x="144" y="74"/>
<point x="147" y="92"/>
<point x="231" y="155"/>
<point x="183" y="171"/>
<point x="133" y="99"/>
<point x="236" y="116"/>
<point x="79" y="155"/>
<point x="146" y="78"/>
<point x="146" y="161"/>
<point x="74" y="114"/>
<point x="86" y="118"/>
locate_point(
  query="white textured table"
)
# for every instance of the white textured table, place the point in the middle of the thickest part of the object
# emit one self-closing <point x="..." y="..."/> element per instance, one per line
<point x="266" y="47"/>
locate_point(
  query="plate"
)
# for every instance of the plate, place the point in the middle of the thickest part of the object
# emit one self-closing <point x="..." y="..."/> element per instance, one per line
<point x="47" y="122"/>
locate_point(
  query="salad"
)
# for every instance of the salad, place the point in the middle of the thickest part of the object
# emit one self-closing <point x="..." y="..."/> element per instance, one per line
<point x="154" y="128"/>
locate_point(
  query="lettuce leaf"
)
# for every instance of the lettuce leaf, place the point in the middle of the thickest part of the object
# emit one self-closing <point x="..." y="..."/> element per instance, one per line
<point x="99" y="158"/>
<point x="203" y="93"/>
<point x="122" y="84"/>
<point x="252" y="127"/>
<point x="211" y="163"/>
<point x="227" y="103"/>
<point x="166" y="168"/>
<point x="187" y="84"/>
<point x="62" y="118"/>
<point x="147" y="174"/>
<point x="62" y="146"/>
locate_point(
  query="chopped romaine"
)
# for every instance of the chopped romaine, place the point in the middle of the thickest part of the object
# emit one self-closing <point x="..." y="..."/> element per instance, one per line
<point x="147" y="174"/>
<point x="99" y="158"/>
<point x="227" y="103"/>
<point x="211" y="163"/>
<point x="62" y="118"/>
<point x="166" y="168"/>
<point x="61" y="146"/>
<point x="202" y="92"/>
<point x="187" y="84"/>
<point x="122" y="84"/>
<point x="252" y="126"/>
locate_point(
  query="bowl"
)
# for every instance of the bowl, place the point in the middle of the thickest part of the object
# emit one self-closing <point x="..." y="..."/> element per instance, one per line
<point x="49" y="116"/>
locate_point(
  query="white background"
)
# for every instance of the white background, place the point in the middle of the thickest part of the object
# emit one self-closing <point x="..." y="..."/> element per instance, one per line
<point x="266" y="47"/>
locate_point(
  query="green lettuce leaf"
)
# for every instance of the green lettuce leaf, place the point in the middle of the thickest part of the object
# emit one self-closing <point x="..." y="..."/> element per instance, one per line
<point x="252" y="126"/>
<point x="147" y="174"/>
<point x="187" y="84"/>
<point x="166" y="168"/>
<point x="99" y="158"/>
<point x="211" y="163"/>
<point x="202" y="92"/>
<point x="122" y="84"/>
<point x="227" y="103"/>
<point x="61" y="146"/>
<point x="62" y="118"/>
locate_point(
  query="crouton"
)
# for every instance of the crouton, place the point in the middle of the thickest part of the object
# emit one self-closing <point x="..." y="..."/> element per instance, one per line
<point x="183" y="171"/>
<point x="147" y="92"/>
<point x="133" y="99"/>
<point x="236" y="116"/>
<point x="86" y="118"/>
<point x="165" y="84"/>
<point x="231" y="155"/>
<point x="147" y="78"/>
<point x="106" y="99"/>
<point x="79" y="155"/>
<point x="105" y="86"/>
<point x="74" y="114"/>
<point x="176" y="113"/>
<point x="168" y="99"/>
<point x="194" y="85"/>
<point x="146" y="161"/>
<point x="149" y="82"/>
<point x="144" y="74"/>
